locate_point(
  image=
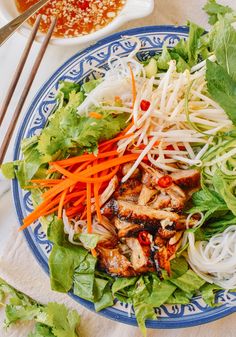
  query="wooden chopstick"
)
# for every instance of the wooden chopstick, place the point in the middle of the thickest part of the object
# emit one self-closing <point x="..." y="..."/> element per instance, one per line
<point x="26" y="89"/>
<point x="19" y="69"/>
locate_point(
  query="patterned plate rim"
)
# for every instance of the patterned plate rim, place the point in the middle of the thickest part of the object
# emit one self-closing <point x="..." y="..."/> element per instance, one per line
<point x="208" y="314"/>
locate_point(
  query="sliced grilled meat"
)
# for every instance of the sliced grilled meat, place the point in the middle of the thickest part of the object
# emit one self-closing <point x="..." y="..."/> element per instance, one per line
<point x="129" y="190"/>
<point x="186" y="178"/>
<point x="166" y="233"/>
<point x="140" y="256"/>
<point x="126" y="229"/>
<point x="161" y="201"/>
<point x="177" y="196"/>
<point x="114" y="262"/>
<point x="145" y="195"/>
<point x="127" y="167"/>
<point x="138" y="214"/>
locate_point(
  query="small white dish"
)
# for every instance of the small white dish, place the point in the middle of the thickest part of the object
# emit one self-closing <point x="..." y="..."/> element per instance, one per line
<point x="133" y="9"/>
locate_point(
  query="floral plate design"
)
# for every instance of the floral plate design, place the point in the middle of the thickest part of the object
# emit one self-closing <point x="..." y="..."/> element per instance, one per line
<point x="78" y="69"/>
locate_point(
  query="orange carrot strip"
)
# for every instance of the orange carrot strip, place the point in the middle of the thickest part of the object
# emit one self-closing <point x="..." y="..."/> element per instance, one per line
<point x="61" y="203"/>
<point x="77" y="202"/>
<point x="97" y="202"/>
<point x="116" y="139"/>
<point x="83" y="158"/>
<point x="89" y="212"/>
<point x="95" y="115"/>
<point x="78" y="178"/>
<point x="134" y="91"/>
<point x="43" y="208"/>
<point x="83" y="216"/>
<point x="51" y="211"/>
<point x="93" y="252"/>
<point x="128" y="128"/>
<point x="80" y="168"/>
<point x="96" y="197"/>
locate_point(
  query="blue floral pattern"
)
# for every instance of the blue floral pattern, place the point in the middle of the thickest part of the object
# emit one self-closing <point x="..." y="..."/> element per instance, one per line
<point x="78" y="69"/>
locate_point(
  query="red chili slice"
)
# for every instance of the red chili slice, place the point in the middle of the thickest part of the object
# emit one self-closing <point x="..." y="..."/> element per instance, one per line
<point x="83" y="5"/>
<point x="165" y="181"/>
<point x="143" y="238"/>
<point x="144" y="105"/>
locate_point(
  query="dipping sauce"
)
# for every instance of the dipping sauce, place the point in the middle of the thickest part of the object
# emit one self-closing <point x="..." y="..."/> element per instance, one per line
<point x="75" y="17"/>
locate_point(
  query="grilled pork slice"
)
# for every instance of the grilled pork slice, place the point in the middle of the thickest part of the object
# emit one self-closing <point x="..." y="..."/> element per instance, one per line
<point x="166" y="252"/>
<point x="127" y="167"/>
<point x="129" y="190"/>
<point x="131" y="212"/>
<point x="161" y="201"/>
<point x="166" y="233"/>
<point x="140" y="256"/>
<point x="126" y="228"/>
<point x="177" y="197"/>
<point x="114" y="262"/>
<point x="145" y="195"/>
<point x="186" y="178"/>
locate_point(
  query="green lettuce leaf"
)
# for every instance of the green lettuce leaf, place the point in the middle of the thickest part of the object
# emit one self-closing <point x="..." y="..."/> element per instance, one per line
<point x="179" y="297"/>
<point x="106" y="300"/>
<point x="188" y="282"/>
<point x="208" y="294"/>
<point x="226" y="188"/>
<point x="84" y="278"/>
<point x="64" y="258"/>
<point x="164" y="59"/>
<point x="223" y="41"/>
<point x="143" y="310"/>
<point x="222" y="88"/>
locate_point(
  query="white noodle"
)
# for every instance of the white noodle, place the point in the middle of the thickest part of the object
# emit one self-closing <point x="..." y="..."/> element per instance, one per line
<point x="215" y="261"/>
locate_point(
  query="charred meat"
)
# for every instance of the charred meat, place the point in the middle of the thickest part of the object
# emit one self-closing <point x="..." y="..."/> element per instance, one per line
<point x="146" y="220"/>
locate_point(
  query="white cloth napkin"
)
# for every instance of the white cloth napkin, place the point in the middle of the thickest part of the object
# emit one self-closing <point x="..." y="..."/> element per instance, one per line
<point x="20" y="269"/>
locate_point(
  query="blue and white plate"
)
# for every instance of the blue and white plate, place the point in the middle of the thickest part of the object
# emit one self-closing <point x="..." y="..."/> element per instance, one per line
<point x="78" y="69"/>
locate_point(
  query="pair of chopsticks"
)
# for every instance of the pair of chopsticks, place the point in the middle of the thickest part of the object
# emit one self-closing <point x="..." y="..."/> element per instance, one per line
<point x="11" y="90"/>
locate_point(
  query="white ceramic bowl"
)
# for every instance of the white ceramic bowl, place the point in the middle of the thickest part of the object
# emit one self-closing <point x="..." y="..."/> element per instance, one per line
<point x="132" y="10"/>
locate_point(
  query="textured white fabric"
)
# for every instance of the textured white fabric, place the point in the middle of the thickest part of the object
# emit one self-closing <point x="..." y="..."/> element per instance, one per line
<point x="19" y="267"/>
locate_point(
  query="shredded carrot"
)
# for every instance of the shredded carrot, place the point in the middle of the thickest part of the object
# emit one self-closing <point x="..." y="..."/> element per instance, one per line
<point x="114" y="140"/>
<point x="83" y="158"/>
<point x="77" y="202"/>
<point x="51" y="211"/>
<point x="134" y="91"/>
<point x="95" y="115"/>
<point x="80" y="168"/>
<point x="89" y="212"/>
<point x="118" y="100"/>
<point x="83" y="215"/>
<point x="61" y="203"/>
<point x="93" y="252"/>
<point x="96" y="197"/>
<point x="88" y="172"/>
<point x="102" y="166"/>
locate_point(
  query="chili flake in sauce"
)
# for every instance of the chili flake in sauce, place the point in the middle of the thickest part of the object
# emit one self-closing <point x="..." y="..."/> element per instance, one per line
<point x="75" y="17"/>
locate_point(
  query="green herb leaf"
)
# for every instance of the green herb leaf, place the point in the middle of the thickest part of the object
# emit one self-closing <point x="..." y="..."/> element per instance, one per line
<point x="215" y="10"/>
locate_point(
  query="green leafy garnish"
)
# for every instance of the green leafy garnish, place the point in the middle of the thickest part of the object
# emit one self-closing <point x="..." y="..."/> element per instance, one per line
<point x="52" y="320"/>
